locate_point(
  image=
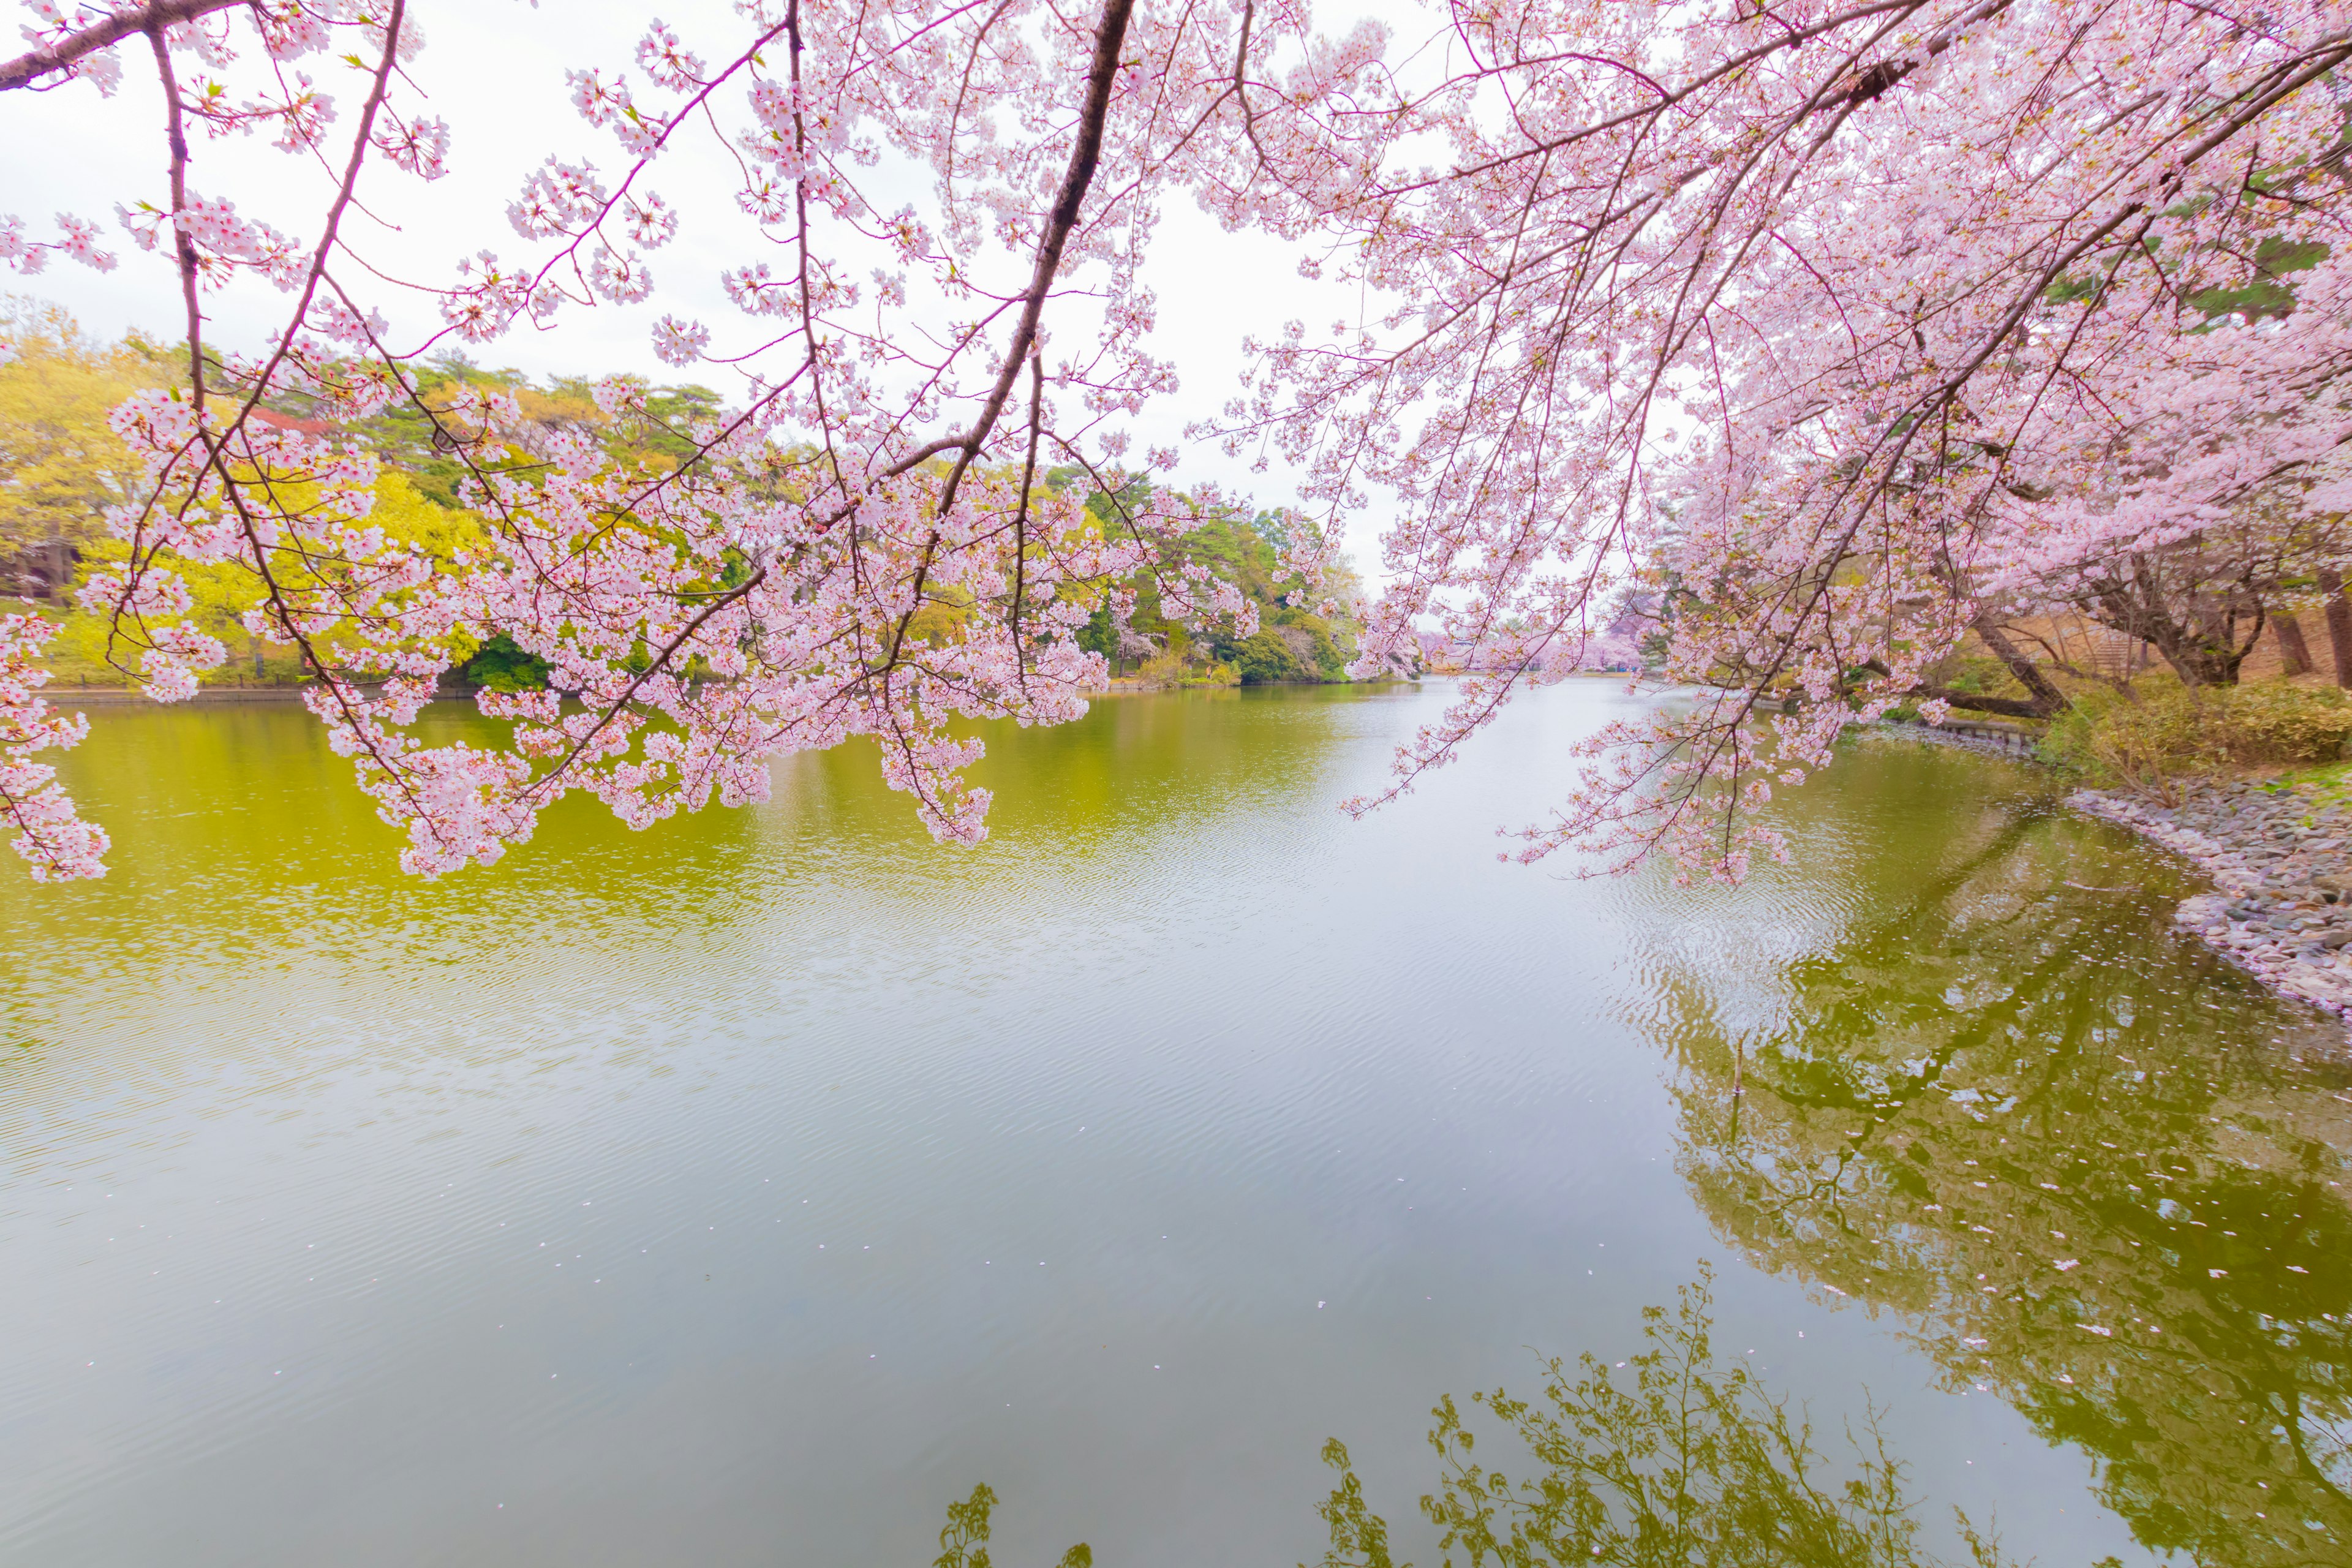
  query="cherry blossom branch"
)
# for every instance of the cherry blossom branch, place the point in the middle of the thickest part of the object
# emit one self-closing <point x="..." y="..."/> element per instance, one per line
<point x="64" y="53"/>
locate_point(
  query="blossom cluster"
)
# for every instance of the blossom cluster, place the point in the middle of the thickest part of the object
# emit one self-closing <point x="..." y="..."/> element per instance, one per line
<point x="1820" y="335"/>
<point x="864" y="542"/>
<point x="49" y="832"/>
<point x="1840" y="330"/>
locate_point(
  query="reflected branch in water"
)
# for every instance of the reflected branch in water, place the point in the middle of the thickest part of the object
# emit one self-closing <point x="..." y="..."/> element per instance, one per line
<point x="963" y="1544"/>
<point x="2074" y="1152"/>
<point x="1680" y="1463"/>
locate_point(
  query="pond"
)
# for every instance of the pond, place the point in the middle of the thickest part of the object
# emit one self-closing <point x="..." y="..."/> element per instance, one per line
<point x="746" y="1190"/>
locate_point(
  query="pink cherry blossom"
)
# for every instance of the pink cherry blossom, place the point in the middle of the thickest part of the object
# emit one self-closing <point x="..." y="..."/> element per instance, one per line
<point x="680" y="343"/>
<point x="1786" y="345"/>
<point x="51" y="836"/>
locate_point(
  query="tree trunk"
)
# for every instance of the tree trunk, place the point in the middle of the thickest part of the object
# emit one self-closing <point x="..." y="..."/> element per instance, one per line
<point x="2187" y="642"/>
<point x="2339" y="623"/>
<point x="2293" y="650"/>
<point x="2047" y="698"/>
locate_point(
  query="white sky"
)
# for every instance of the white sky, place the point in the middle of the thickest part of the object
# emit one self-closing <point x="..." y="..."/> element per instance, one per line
<point x="495" y="71"/>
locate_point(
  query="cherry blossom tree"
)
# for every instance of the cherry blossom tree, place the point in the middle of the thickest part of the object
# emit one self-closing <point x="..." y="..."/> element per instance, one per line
<point x="902" y="382"/>
<point x="1845" y="319"/>
<point x="1842" y="317"/>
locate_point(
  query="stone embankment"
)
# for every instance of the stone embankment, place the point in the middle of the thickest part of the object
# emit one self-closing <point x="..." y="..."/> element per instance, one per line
<point x="2283" y="908"/>
<point x="2281" y="859"/>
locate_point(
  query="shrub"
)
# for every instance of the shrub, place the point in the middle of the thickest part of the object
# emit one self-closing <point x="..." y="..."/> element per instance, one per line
<point x="2158" y="734"/>
<point x="1318" y="656"/>
<point x="1983" y="676"/>
<point x="2273" y="722"/>
<point x="1265" y="657"/>
<point x="502" y="666"/>
<point x="1166" y="668"/>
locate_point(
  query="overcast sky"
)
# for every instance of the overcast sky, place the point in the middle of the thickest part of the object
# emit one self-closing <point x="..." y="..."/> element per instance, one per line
<point x="495" y="71"/>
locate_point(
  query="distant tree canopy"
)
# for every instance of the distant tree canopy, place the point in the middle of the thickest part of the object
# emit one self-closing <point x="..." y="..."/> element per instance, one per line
<point x="62" y="465"/>
<point x="647" y="433"/>
<point x="503" y="667"/>
<point x="1239" y="545"/>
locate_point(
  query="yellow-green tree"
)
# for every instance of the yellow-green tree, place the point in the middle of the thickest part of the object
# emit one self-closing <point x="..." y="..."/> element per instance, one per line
<point x="60" y="464"/>
<point x="222" y="592"/>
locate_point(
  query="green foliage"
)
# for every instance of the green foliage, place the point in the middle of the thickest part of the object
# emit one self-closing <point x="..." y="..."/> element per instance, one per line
<point x="2272" y="722"/>
<point x="1360" y="1538"/>
<point x="1328" y="662"/>
<point x="2265" y="293"/>
<point x="67" y="466"/>
<point x="1264" y="657"/>
<point x="403" y="435"/>
<point x="1099" y="635"/>
<point x="221" y="592"/>
<point x="1290" y="644"/>
<point x="964" y="1542"/>
<point x="1980" y="677"/>
<point x="2161" y="732"/>
<point x="1241" y="548"/>
<point x="61" y="465"/>
<point x="1688" y="1465"/>
<point x="501" y="666"/>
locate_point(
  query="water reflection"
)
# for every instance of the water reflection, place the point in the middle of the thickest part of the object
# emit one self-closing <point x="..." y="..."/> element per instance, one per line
<point x="772" y="1176"/>
<point x="2115" y="1197"/>
<point x="1665" y="1460"/>
<point x="963" y="1544"/>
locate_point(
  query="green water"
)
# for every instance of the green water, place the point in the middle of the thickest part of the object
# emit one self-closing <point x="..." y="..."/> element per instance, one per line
<point x="745" y="1191"/>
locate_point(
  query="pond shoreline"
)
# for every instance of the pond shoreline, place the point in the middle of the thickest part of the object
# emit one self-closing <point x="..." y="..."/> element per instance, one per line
<point x="215" y="696"/>
<point x="2282" y="908"/>
<point x="205" y="696"/>
<point x="2280" y="857"/>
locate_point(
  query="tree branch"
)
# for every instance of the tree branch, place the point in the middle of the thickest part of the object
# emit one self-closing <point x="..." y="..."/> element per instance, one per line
<point x="47" y="60"/>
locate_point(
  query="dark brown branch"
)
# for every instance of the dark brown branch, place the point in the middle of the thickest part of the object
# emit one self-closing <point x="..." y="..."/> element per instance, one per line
<point x="1086" y="157"/>
<point x="175" y="137"/>
<point x="1877" y="79"/>
<point x="1062" y="220"/>
<point x="69" y="51"/>
<point x="1021" y="516"/>
<point x="1977" y="702"/>
<point x="2047" y="698"/>
<point x="216" y="447"/>
<point x="183" y="244"/>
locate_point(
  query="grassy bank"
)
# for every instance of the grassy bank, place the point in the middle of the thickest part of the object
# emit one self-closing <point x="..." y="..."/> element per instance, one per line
<point x="2158" y="737"/>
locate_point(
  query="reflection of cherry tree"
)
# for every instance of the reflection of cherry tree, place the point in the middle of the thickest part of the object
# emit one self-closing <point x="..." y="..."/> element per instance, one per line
<point x="1983" y="1109"/>
<point x="1680" y="1463"/>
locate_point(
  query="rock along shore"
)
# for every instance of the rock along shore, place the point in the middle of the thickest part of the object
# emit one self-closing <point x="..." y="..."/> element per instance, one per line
<point x="2281" y="859"/>
<point x="2282" y="903"/>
